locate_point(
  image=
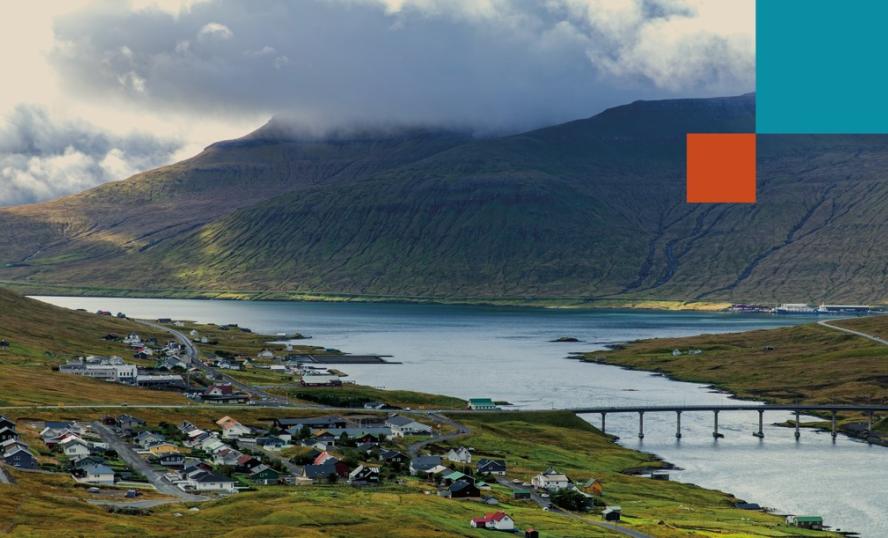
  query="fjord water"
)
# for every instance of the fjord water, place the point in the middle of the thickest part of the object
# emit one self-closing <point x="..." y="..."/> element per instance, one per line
<point x="506" y="354"/>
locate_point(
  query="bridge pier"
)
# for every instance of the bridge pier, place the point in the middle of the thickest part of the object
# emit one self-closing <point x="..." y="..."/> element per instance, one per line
<point x="715" y="434"/>
<point x="603" y="416"/>
<point x="797" y="421"/>
<point x="641" y="424"/>
<point x="678" y="424"/>
<point x="761" y="432"/>
<point x="834" y="433"/>
<point x="869" y="423"/>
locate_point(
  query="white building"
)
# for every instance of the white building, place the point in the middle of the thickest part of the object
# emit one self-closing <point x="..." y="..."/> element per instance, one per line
<point x="459" y="455"/>
<point x="551" y="480"/>
<point x="402" y="426"/>
<point x="98" y="474"/>
<point x="104" y="368"/>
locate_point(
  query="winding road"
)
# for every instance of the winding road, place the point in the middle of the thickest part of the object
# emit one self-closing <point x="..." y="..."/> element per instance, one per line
<point x="874" y="338"/>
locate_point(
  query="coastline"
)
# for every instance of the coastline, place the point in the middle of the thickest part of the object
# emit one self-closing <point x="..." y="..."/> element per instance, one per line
<point x="546" y="303"/>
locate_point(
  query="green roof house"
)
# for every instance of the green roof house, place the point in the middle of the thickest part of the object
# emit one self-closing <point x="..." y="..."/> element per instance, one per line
<point x="481" y="404"/>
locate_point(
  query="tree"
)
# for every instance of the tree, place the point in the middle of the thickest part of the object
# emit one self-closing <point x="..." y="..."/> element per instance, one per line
<point x="570" y="499"/>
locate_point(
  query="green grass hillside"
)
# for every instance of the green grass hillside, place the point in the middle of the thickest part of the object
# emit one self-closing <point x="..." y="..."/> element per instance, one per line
<point x="588" y="211"/>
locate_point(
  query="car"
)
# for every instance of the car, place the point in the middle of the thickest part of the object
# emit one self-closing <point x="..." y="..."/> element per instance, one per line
<point x="516" y="481"/>
<point x="545" y="509"/>
<point x="544" y="495"/>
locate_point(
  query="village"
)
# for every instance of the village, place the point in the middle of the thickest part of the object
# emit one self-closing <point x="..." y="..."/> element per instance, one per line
<point x="124" y="453"/>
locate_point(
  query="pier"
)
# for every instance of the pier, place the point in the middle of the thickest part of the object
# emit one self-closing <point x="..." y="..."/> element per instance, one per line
<point x="796" y="409"/>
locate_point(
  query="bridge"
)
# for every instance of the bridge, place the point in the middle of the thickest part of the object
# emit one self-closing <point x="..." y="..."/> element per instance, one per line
<point x="798" y="409"/>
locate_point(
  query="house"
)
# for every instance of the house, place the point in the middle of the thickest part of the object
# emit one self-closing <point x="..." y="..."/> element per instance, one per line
<point x="494" y="467"/>
<point x="232" y="429"/>
<point x="481" y="404"/>
<point x="421" y="464"/>
<point x="324" y="422"/>
<point x="550" y="480"/>
<point x="364" y="476"/>
<point x="127" y="422"/>
<point x="392" y="457"/>
<point x="459" y="455"/>
<point x="75" y="448"/>
<point x="461" y="489"/>
<point x="805" y="522"/>
<point x="209" y="481"/>
<point x="145" y="439"/>
<point x="171" y="459"/>
<point x="270" y="443"/>
<point x="324" y="457"/>
<point x="223" y="393"/>
<point x="402" y="426"/>
<point x="265" y="475"/>
<point x="498" y="521"/>
<point x="7" y="433"/>
<point x="531" y="533"/>
<point x="591" y="487"/>
<point x="18" y="457"/>
<point x="320" y="473"/>
<point x="454" y="476"/>
<point x="265" y="354"/>
<point x="97" y="474"/>
<point x="6" y="423"/>
<point x="612" y="513"/>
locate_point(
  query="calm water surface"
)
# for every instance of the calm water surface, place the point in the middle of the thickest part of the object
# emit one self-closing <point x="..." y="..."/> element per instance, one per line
<point x="505" y="354"/>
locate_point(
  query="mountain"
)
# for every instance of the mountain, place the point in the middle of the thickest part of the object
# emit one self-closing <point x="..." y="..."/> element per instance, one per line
<point x="588" y="210"/>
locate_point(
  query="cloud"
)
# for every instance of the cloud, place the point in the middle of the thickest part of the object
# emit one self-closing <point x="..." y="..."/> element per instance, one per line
<point x="42" y="159"/>
<point x="489" y="63"/>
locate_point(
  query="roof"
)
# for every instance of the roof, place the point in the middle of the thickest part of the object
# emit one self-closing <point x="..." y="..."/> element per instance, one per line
<point x="480" y="401"/>
<point x="425" y="462"/>
<point x="207" y="477"/>
<point x="455" y="475"/>
<point x="98" y="469"/>
<point x="487" y="518"/>
<point x="399" y="420"/>
<point x="809" y="519"/>
<point x="460" y="485"/>
<point x="484" y="462"/>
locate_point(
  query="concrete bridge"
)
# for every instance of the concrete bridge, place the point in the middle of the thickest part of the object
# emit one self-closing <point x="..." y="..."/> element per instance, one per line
<point x="798" y="409"/>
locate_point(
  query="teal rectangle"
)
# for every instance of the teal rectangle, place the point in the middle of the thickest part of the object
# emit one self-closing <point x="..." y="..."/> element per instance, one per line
<point x="821" y="66"/>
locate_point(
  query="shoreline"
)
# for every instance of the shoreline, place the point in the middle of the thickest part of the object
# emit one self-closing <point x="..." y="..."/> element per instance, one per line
<point x="542" y="303"/>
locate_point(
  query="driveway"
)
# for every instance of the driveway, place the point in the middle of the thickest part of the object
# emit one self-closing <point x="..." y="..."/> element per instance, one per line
<point x="128" y="455"/>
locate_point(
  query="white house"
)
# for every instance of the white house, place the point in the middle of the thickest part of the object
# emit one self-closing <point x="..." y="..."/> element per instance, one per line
<point x="550" y="480"/>
<point x="459" y="455"/>
<point x="98" y="474"/>
<point x="232" y="429"/>
<point x="207" y="481"/>
<point x="265" y="354"/>
<point x="499" y="521"/>
<point x="402" y="426"/>
<point x="75" y="448"/>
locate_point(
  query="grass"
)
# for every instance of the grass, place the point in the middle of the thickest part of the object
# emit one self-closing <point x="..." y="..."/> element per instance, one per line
<point x="357" y="395"/>
<point x="41" y="504"/>
<point x="809" y="363"/>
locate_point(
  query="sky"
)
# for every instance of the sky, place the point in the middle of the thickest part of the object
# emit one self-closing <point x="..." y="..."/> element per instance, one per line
<point x="97" y="90"/>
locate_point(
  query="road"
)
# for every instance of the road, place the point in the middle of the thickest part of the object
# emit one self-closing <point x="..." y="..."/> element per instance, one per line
<point x="194" y="360"/>
<point x="461" y="431"/>
<point x="138" y="464"/>
<point x="826" y="323"/>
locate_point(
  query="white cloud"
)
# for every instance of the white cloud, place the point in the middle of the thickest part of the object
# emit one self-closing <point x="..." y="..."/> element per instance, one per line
<point x="492" y="63"/>
<point x="214" y="30"/>
<point x="41" y="158"/>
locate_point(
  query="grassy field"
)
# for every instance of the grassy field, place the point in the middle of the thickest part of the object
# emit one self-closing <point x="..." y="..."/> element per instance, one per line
<point x="42" y="336"/>
<point x="807" y="363"/>
<point x="40" y="504"/>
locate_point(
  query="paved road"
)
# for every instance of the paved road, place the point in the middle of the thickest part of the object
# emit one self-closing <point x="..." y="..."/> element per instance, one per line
<point x="132" y="459"/>
<point x="826" y="323"/>
<point x="461" y="431"/>
<point x="194" y="360"/>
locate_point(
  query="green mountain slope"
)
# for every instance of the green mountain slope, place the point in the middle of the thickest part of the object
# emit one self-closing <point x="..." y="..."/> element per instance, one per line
<point x="588" y="210"/>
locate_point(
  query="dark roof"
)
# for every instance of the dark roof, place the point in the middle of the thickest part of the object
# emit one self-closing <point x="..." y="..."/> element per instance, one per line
<point x="425" y="462"/>
<point x="320" y="471"/>
<point x="494" y="464"/>
<point x="207" y="476"/>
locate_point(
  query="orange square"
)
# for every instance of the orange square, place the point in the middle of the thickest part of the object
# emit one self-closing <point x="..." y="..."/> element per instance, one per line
<point x="721" y="168"/>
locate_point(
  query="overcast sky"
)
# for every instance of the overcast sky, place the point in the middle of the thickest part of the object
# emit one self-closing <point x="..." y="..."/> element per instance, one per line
<point x="98" y="90"/>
